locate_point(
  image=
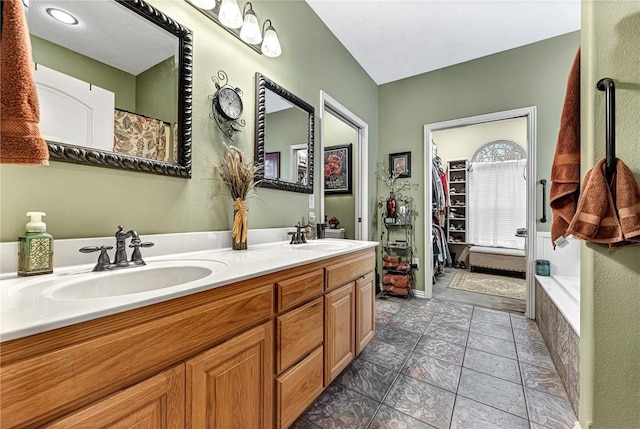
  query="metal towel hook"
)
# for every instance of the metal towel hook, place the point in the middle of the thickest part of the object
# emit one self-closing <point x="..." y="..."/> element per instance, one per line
<point x="608" y="86"/>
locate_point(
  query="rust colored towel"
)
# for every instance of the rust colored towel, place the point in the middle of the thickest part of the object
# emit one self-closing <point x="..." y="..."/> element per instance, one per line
<point x="394" y="259"/>
<point x="396" y="290"/>
<point x="397" y="280"/>
<point x="601" y="220"/>
<point x="20" y="140"/>
<point x="565" y="171"/>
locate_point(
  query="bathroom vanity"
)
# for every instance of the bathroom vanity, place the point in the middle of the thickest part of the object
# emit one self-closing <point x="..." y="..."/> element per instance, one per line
<point x="251" y="353"/>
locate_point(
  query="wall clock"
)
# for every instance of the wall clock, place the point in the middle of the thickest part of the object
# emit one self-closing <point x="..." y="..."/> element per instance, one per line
<point x="226" y="106"/>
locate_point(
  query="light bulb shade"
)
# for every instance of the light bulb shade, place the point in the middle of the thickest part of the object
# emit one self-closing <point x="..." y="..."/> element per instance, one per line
<point x="204" y="4"/>
<point x="229" y="14"/>
<point x="270" y="43"/>
<point x="250" y="32"/>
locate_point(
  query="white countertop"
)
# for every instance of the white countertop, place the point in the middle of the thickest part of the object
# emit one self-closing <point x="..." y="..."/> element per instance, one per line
<point x="26" y="308"/>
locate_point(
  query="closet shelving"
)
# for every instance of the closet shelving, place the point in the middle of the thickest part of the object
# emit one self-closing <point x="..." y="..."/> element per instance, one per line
<point x="397" y="245"/>
<point x="457" y="221"/>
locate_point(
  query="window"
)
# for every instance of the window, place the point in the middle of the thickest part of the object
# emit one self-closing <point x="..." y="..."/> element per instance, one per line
<point x="499" y="151"/>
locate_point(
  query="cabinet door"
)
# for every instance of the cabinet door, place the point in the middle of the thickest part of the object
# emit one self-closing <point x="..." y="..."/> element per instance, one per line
<point x="231" y="385"/>
<point x="156" y="403"/>
<point x="339" y="334"/>
<point x="365" y="317"/>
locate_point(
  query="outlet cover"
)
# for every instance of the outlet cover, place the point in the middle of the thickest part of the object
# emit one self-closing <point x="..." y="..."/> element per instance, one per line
<point x="416" y="262"/>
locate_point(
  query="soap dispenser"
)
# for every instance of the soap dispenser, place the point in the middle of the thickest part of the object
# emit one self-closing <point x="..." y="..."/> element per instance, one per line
<point x="35" y="248"/>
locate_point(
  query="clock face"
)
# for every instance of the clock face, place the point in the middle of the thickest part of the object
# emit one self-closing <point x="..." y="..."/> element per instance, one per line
<point x="229" y="103"/>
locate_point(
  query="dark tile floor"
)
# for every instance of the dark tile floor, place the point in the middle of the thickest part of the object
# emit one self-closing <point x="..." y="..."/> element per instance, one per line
<point x="444" y="364"/>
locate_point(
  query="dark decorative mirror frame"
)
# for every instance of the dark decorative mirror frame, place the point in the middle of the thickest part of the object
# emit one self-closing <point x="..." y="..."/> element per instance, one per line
<point x="182" y="168"/>
<point x="262" y="84"/>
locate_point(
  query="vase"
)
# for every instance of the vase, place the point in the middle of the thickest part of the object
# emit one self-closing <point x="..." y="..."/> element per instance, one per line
<point x="391" y="206"/>
<point x="240" y="230"/>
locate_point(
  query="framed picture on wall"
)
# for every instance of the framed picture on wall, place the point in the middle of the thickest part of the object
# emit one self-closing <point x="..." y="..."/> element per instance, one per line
<point x="272" y="165"/>
<point x="337" y="170"/>
<point x="400" y="164"/>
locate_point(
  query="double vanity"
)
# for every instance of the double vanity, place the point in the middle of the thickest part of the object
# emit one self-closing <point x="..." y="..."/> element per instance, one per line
<point x="209" y="339"/>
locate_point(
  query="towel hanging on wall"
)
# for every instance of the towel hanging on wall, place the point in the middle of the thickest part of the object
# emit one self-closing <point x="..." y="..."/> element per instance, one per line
<point x="20" y="139"/>
<point x="608" y="214"/>
<point x="565" y="171"/>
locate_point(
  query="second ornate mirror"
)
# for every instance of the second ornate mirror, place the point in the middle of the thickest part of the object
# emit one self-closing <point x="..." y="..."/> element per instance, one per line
<point x="284" y="137"/>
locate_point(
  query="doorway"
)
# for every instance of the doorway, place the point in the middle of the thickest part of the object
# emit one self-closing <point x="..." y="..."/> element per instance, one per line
<point x="459" y="215"/>
<point x="346" y="134"/>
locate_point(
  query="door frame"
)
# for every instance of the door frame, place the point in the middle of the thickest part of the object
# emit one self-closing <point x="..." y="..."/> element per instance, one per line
<point x="361" y="155"/>
<point x="530" y="244"/>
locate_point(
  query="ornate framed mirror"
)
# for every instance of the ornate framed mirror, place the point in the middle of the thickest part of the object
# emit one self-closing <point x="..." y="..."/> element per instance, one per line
<point x="284" y="125"/>
<point x="115" y="87"/>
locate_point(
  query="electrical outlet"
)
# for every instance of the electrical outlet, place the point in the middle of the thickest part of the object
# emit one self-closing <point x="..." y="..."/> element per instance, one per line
<point x="416" y="263"/>
<point x="312" y="218"/>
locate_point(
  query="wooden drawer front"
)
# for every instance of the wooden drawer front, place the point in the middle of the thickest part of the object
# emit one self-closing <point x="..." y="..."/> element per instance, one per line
<point x="297" y="388"/>
<point x="156" y="403"/>
<point x="349" y="270"/>
<point x="297" y="333"/>
<point x="297" y="290"/>
<point x="55" y="383"/>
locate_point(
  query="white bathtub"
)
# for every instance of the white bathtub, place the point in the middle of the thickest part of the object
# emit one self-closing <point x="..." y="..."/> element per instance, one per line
<point x="564" y="291"/>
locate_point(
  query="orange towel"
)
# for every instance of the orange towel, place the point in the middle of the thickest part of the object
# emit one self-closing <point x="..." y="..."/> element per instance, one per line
<point x="598" y="217"/>
<point x="565" y="171"/>
<point x="20" y="140"/>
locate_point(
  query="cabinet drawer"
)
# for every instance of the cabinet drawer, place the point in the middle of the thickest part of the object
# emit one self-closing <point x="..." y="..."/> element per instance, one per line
<point x="348" y="270"/>
<point x="298" y="332"/>
<point x="298" y="387"/>
<point x="299" y="289"/>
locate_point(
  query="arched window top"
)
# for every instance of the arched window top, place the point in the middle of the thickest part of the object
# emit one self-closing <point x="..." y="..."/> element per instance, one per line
<point x="498" y="151"/>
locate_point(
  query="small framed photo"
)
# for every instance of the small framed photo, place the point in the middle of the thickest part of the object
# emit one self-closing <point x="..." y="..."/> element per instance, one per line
<point x="272" y="165"/>
<point x="400" y="164"/>
<point x="337" y="170"/>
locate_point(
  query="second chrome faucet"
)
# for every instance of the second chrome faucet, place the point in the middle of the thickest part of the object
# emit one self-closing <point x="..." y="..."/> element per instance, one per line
<point x="120" y="259"/>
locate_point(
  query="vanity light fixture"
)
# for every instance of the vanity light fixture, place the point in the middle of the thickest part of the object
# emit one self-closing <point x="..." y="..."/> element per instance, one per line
<point x="62" y="16"/>
<point x="271" y="43"/>
<point x="244" y="25"/>
<point x="229" y="14"/>
<point x="250" y="31"/>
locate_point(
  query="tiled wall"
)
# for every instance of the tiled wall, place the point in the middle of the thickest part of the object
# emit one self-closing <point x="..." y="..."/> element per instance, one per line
<point x="563" y="344"/>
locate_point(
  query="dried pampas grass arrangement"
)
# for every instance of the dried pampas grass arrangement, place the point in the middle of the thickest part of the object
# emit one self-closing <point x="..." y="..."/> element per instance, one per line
<point x="239" y="175"/>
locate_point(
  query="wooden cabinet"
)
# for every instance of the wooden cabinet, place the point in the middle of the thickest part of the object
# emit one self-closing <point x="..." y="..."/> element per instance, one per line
<point x="339" y="334"/>
<point x="297" y="388"/>
<point x="212" y="359"/>
<point x="156" y="403"/>
<point x="365" y="317"/>
<point x="230" y="386"/>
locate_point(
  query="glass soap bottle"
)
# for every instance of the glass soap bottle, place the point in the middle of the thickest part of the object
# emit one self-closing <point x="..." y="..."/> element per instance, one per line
<point x="35" y="248"/>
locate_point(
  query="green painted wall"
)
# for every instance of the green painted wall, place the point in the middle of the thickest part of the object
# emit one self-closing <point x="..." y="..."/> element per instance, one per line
<point x="337" y="133"/>
<point x="87" y="69"/>
<point x="282" y="129"/>
<point x="532" y="75"/>
<point x="82" y="201"/>
<point x="157" y="91"/>
<point x="610" y="292"/>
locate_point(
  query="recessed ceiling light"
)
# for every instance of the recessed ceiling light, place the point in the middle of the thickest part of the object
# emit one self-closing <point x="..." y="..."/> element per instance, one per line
<point x="62" y="16"/>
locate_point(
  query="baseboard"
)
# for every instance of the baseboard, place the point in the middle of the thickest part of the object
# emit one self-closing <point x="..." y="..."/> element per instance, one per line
<point x="419" y="293"/>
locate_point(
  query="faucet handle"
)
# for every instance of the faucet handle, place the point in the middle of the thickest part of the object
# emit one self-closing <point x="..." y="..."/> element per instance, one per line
<point x="136" y="256"/>
<point x="103" y="259"/>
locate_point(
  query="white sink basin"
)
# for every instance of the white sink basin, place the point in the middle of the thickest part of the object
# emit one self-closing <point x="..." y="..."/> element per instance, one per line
<point x="323" y="244"/>
<point x="108" y="284"/>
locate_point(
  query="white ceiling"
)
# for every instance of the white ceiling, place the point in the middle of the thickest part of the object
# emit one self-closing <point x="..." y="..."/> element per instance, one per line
<point x="106" y="31"/>
<point x="395" y="39"/>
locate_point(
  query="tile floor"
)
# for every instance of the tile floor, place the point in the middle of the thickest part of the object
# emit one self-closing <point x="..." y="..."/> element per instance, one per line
<point x="444" y="364"/>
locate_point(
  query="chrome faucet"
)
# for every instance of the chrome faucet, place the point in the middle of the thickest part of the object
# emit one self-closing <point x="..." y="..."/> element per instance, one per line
<point x="120" y="259"/>
<point x="298" y="237"/>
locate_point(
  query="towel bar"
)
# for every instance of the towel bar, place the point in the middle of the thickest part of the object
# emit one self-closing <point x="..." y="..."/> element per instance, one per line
<point x="543" y="182"/>
<point x="607" y="85"/>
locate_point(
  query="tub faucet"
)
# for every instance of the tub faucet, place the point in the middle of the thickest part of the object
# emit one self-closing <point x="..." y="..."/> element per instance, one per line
<point x="120" y="259"/>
